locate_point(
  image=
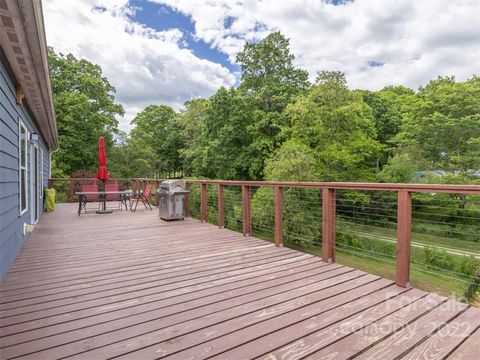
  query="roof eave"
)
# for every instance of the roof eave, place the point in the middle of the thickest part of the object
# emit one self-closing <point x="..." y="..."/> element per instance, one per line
<point x="25" y="47"/>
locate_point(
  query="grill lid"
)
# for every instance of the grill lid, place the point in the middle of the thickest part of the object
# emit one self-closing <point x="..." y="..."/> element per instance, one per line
<point x="173" y="184"/>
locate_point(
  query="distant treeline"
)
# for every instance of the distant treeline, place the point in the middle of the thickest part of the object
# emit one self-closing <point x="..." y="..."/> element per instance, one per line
<point x="275" y="125"/>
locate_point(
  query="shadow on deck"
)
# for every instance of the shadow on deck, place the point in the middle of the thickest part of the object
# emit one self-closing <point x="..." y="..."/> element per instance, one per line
<point x="132" y="286"/>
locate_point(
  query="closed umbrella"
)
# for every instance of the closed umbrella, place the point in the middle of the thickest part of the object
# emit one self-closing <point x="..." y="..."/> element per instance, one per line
<point x="102" y="173"/>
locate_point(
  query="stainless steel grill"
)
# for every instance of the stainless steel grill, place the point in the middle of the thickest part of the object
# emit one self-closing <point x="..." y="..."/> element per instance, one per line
<point x="171" y="199"/>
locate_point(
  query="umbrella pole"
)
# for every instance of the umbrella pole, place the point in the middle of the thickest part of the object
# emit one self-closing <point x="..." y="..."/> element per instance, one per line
<point x="104" y="203"/>
<point x="104" y="199"/>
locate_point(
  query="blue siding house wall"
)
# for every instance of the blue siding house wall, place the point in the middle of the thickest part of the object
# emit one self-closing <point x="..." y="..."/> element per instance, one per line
<point x="11" y="222"/>
<point x="25" y="100"/>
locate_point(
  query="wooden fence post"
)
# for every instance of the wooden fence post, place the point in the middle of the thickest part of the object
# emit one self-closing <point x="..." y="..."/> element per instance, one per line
<point x="203" y="202"/>
<point x="246" y="211"/>
<point x="220" y="206"/>
<point x="328" y="225"/>
<point x="404" y="235"/>
<point x="278" y="216"/>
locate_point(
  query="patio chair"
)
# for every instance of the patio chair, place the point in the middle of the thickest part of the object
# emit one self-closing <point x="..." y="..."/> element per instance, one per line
<point x="88" y="197"/>
<point x="144" y="197"/>
<point x="115" y="197"/>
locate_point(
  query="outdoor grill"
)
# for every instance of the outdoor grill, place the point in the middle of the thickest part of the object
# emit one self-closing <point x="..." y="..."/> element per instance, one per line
<point x="171" y="200"/>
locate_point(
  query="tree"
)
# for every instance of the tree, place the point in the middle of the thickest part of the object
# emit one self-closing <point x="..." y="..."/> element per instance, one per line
<point x="85" y="108"/>
<point x="269" y="74"/>
<point x="157" y="131"/>
<point x="192" y="130"/>
<point x="294" y="161"/>
<point x="339" y="126"/>
<point x="269" y="82"/>
<point x="118" y="157"/>
<point x="399" y="169"/>
<point x="388" y="108"/>
<point x="443" y="123"/>
<point x="132" y="156"/>
<point x="225" y="152"/>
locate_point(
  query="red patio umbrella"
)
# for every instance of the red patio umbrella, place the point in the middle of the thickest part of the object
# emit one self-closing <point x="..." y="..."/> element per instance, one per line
<point x="102" y="173"/>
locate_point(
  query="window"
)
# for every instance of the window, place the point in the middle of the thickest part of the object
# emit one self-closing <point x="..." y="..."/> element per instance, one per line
<point x="22" y="162"/>
<point x="40" y="171"/>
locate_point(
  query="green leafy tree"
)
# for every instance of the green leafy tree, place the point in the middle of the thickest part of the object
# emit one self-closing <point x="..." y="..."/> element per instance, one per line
<point x="269" y="81"/>
<point x="132" y="156"/>
<point x="225" y="152"/>
<point x="268" y="72"/>
<point x="388" y="108"/>
<point x="444" y="125"/>
<point x="399" y="169"/>
<point x="156" y="134"/>
<point x="192" y="130"/>
<point x="338" y="125"/>
<point x="85" y="108"/>
<point x="118" y="157"/>
<point x="294" y="161"/>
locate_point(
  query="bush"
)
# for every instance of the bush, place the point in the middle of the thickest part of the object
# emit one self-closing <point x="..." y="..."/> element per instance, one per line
<point x="468" y="265"/>
<point x="463" y="265"/>
<point x="438" y="258"/>
<point x="473" y="290"/>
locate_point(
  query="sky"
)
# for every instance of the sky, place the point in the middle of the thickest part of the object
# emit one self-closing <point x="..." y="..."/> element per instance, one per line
<point x="170" y="51"/>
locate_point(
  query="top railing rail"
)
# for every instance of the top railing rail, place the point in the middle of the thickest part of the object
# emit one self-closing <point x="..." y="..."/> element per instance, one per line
<point x="443" y="188"/>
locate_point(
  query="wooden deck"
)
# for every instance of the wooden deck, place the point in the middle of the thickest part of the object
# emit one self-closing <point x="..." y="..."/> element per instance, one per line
<point x="131" y="286"/>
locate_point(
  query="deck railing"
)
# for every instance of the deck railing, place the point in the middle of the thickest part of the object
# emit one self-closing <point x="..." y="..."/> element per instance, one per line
<point x="328" y="219"/>
<point x="317" y="214"/>
<point x="66" y="187"/>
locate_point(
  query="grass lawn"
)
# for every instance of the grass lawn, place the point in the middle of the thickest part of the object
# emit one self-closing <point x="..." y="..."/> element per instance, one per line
<point x="426" y="239"/>
<point x="419" y="279"/>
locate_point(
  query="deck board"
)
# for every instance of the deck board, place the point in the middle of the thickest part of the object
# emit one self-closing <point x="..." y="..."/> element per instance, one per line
<point x="355" y="342"/>
<point x="469" y="349"/>
<point x="134" y="287"/>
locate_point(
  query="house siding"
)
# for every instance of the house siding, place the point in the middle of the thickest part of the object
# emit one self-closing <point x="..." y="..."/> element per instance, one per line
<point x="11" y="222"/>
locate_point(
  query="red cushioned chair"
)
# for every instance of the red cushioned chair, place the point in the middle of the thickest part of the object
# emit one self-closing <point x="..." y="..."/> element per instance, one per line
<point x="144" y="197"/>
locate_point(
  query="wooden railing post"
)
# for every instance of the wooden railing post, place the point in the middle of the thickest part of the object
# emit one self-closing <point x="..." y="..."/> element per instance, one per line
<point x="186" y="201"/>
<point x="220" y="206"/>
<point x="157" y="186"/>
<point x="404" y="234"/>
<point x="278" y="216"/>
<point x="203" y="202"/>
<point x="328" y="225"/>
<point x="246" y="211"/>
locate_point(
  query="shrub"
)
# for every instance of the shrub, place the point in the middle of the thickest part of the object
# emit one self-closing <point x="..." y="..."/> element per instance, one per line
<point x="473" y="290"/>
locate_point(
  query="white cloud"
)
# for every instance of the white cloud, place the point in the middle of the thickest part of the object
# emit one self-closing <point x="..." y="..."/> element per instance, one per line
<point x="145" y="66"/>
<point x="416" y="40"/>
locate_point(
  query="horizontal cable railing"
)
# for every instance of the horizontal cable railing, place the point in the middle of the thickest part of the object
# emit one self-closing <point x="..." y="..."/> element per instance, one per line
<point x="429" y="233"/>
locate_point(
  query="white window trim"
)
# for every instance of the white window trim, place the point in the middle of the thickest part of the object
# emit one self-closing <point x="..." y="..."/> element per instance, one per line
<point x="21" y="125"/>
<point x="40" y="171"/>
<point x="34" y="183"/>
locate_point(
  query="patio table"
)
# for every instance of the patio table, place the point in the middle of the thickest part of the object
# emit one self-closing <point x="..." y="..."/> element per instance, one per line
<point x="123" y="196"/>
